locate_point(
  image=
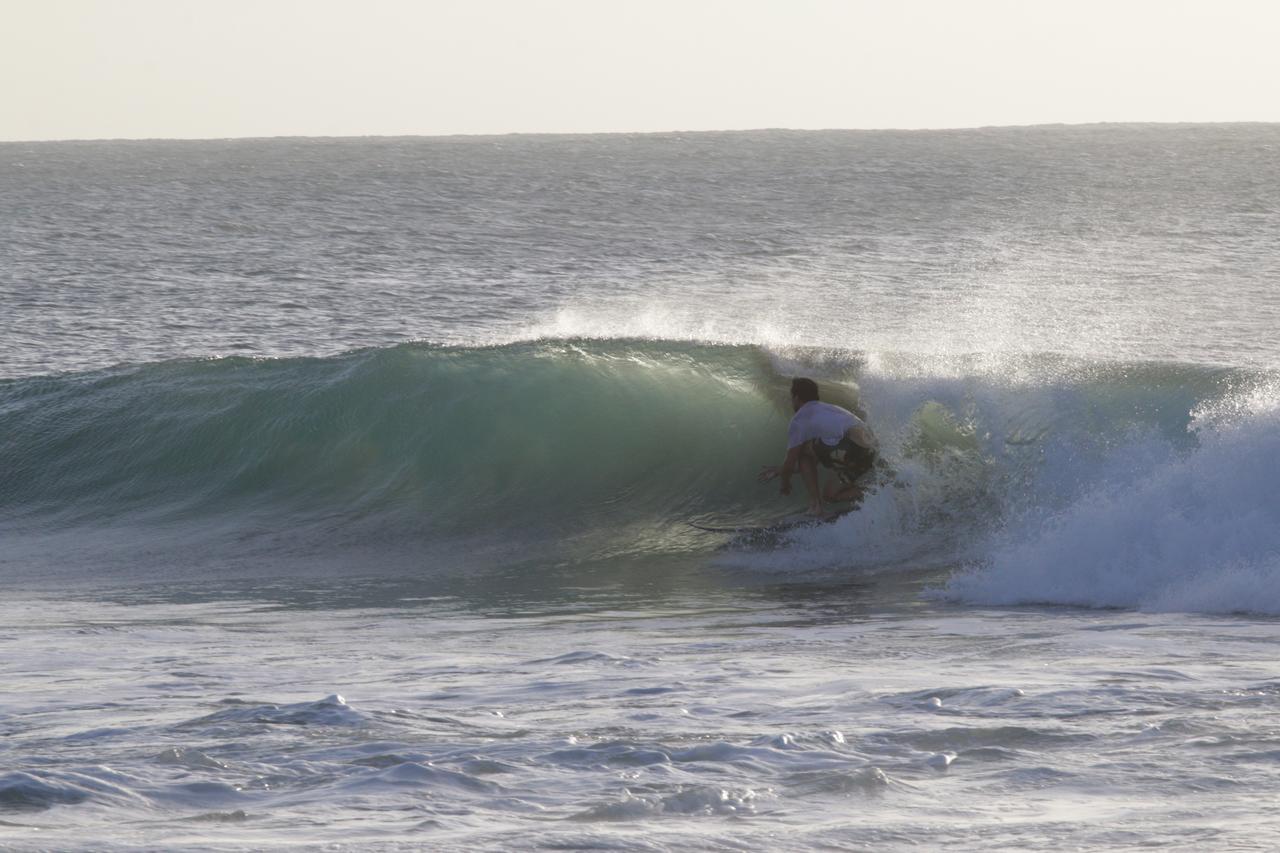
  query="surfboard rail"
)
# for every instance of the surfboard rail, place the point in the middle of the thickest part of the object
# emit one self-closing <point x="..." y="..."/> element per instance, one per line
<point x="783" y="525"/>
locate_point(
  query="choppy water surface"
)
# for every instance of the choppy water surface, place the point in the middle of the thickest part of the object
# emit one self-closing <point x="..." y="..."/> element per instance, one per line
<point x="780" y="717"/>
<point x="345" y="489"/>
<point x="1108" y="241"/>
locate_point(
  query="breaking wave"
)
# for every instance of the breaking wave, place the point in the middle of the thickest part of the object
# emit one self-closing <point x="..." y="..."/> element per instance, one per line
<point x="1053" y="480"/>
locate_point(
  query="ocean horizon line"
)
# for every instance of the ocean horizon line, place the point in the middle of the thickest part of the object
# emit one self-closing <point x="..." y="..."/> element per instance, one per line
<point x="670" y="132"/>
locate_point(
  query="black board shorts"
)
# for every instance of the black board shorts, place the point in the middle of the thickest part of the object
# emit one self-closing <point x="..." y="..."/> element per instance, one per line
<point x="848" y="459"/>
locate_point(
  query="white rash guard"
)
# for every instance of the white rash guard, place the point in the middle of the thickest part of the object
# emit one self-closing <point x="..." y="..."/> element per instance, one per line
<point x="822" y="420"/>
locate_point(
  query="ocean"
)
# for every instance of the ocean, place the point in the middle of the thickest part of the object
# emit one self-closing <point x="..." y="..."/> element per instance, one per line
<point x="347" y="490"/>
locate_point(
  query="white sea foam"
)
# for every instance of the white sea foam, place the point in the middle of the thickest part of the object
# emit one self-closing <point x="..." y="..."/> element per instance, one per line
<point x="1198" y="531"/>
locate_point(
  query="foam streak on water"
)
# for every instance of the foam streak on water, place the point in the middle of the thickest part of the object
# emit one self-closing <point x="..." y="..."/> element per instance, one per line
<point x="826" y="720"/>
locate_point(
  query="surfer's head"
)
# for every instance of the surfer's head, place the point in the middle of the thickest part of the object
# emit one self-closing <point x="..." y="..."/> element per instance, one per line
<point x="803" y="391"/>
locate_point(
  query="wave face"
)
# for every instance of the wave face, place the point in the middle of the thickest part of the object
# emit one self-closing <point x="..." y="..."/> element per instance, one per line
<point x="529" y="442"/>
<point x="1057" y="480"/>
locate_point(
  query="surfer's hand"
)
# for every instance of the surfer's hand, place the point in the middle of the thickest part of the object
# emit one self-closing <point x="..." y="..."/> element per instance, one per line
<point x="767" y="473"/>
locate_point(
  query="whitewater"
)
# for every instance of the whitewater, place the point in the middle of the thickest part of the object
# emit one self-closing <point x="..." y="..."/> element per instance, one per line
<point x="346" y="489"/>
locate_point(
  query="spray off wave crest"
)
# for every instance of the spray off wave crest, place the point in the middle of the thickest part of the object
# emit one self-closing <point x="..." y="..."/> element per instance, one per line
<point x="594" y="449"/>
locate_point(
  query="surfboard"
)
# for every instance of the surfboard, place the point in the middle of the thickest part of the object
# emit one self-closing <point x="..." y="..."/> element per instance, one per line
<point x="783" y="525"/>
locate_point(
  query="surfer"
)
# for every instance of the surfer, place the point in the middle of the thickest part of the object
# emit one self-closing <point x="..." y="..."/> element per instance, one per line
<point x="821" y="432"/>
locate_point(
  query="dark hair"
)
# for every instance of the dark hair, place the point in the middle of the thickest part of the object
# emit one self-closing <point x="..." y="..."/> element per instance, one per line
<point x="804" y="389"/>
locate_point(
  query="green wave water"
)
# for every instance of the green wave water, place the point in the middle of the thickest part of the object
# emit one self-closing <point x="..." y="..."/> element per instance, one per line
<point x="602" y="447"/>
<point x="444" y="439"/>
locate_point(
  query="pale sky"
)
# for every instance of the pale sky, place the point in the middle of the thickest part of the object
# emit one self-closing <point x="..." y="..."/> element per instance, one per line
<point x="84" y="69"/>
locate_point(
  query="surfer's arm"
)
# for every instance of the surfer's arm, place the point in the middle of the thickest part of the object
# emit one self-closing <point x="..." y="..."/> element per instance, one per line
<point x="785" y="470"/>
